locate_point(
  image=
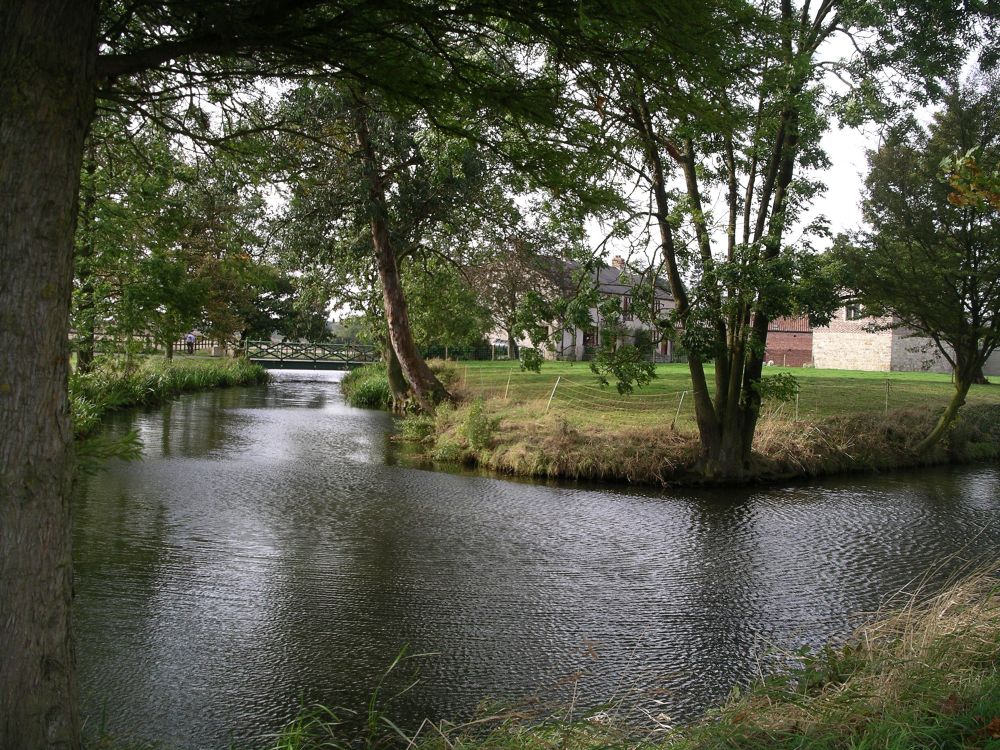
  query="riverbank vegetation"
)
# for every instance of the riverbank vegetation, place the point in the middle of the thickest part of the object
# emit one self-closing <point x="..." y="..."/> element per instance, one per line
<point x="560" y="423"/>
<point x="369" y="387"/>
<point x="109" y="387"/>
<point x="921" y="674"/>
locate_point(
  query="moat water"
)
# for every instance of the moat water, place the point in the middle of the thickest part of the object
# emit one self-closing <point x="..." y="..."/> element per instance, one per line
<point x="272" y="551"/>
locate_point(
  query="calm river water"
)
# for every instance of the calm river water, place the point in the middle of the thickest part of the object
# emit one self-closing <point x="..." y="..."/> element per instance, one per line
<point x="270" y="551"/>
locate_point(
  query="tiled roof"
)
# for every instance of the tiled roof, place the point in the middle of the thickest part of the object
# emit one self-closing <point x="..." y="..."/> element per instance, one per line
<point x="790" y="325"/>
<point x="611" y="280"/>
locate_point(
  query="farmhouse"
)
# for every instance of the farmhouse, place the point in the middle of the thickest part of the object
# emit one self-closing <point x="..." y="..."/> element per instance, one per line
<point x="614" y="281"/>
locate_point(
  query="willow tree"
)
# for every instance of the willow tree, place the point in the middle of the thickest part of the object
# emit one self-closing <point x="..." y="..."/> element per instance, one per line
<point x="745" y="134"/>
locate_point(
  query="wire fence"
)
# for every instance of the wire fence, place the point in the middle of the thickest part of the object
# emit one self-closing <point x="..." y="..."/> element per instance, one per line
<point x="582" y="395"/>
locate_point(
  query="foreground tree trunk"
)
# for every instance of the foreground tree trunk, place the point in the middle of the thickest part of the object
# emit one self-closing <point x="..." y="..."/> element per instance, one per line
<point x="47" y="57"/>
<point x="426" y="387"/>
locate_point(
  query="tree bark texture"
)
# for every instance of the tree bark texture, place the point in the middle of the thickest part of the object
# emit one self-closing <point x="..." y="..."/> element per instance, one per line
<point x="426" y="387"/>
<point x="47" y="57"/>
<point x="398" y="386"/>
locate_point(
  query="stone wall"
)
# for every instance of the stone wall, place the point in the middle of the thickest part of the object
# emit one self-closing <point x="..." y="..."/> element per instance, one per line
<point x="846" y="345"/>
<point x="992" y="366"/>
<point x="852" y="350"/>
<point x="916" y="354"/>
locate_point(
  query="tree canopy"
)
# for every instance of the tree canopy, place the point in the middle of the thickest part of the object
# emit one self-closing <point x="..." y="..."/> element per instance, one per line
<point x="931" y="259"/>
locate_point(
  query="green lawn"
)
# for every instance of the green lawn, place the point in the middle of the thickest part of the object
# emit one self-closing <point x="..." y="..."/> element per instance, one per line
<point x="581" y="399"/>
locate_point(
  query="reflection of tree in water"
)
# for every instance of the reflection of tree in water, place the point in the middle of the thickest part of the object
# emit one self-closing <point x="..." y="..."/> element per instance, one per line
<point x="712" y="611"/>
<point x="197" y="425"/>
<point x="120" y="554"/>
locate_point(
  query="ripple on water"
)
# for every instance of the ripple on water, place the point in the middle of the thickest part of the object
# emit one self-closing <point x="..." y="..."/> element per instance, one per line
<point x="265" y="553"/>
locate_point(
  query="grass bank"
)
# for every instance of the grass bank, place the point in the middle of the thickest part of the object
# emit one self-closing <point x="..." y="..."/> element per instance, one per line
<point x="562" y="424"/>
<point x="367" y="387"/>
<point x="924" y="674"/>
<point x="156" y="379"/>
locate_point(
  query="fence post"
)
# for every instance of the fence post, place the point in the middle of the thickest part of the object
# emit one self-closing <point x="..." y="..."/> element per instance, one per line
<point x="507" y="389"/>
<point x="551" y="395"/>
<point x="678" y="412"/>
<point x="796" y="406"/>
<point x="887" y="396"/>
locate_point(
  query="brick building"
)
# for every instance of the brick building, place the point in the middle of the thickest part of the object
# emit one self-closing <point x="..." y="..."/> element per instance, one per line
<point x="789" y="342"/>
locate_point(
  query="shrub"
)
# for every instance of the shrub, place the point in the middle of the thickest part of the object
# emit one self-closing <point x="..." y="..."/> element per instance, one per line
<point x="479" y="427"/>
<point x="445" y="371"/>
<point x="416" y="428"/>
<point x="367" y="387"/>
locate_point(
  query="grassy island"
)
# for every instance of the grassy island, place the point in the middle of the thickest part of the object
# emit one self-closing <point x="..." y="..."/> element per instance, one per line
<point x="562" y="423"/>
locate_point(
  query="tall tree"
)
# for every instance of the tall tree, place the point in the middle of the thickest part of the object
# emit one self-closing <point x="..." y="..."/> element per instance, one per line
<point x="47" y="87"/>
<point x="371" y="181"/>
<point x="931" y="259"/>
<point x="747" y="131"/>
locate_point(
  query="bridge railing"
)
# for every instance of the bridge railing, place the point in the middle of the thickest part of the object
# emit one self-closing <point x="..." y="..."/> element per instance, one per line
<point x="290" y="351"/>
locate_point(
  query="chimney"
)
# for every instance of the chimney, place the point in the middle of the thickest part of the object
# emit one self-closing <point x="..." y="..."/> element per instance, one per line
<point x="618" y="262"/>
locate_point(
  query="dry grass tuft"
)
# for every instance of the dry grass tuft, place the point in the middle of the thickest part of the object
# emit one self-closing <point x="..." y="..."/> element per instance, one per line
<point x="525" y="440"/>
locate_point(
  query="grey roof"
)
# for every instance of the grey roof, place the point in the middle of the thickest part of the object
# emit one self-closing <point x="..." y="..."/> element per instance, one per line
<point x="612" y="280"/>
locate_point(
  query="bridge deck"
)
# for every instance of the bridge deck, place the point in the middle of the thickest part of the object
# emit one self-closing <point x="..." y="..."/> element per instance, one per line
<point x="304" y="355"/>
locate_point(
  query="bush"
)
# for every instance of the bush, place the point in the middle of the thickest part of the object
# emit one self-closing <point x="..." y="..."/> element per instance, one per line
<point x="445" y="371"/>
<point x="480" y="428"/>
<point x="367" y="387"/>
<point x="416" y="428"/>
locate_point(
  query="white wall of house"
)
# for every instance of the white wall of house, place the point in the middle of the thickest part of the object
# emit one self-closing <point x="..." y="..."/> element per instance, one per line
<point x="992" y="366"/>
<point x="846" y="345"/>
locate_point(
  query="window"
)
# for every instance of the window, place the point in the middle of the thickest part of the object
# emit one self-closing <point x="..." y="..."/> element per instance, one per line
<point x="627" y="308"/>
<point x="854" y="312"/>
<point x="589" y="339"/>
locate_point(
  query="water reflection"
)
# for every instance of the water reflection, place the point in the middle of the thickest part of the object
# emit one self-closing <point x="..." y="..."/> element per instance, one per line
<point x="267" y="553"/>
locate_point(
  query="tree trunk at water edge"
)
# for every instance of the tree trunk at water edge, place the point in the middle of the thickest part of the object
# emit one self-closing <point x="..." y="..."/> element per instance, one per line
<point x="426" y="387"/>
<point x="398" y="386"/>
<point x="47" y="56"/>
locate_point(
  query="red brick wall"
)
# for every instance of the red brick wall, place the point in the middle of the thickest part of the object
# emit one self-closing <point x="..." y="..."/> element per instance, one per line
<point x="788" y="349"/>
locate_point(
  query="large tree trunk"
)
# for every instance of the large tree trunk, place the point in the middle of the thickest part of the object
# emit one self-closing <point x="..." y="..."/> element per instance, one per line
<point x="397" y="383"/>
<point x="426" y="387"/>
<point x="512" y="352"/>
<point x="47" y="57"/>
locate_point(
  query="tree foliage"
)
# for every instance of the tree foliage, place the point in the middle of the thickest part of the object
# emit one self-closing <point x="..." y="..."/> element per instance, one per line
<point x="931" y="259"/>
